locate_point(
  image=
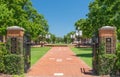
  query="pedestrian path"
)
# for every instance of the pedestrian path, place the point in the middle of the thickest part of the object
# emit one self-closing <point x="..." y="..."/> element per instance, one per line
<point x="59" y="62"/>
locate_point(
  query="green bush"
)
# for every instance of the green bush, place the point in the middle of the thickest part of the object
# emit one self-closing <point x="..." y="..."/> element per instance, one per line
<point x="1" y="62"/>
<point x="118" y="61"/>
<point x="1" y="43"/>
<point x="106" y="64"/>
<point x="3" y="51"/>
<point x="13" y="64"/>
<point x="117" y="66"/>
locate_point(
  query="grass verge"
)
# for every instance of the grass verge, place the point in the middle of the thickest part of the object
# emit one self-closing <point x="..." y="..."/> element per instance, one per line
<point x="85" y="54"/>
<point x="37" y="53"/>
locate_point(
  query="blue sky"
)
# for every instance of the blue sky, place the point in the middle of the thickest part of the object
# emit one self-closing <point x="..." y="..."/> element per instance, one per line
<point x="62" y="14"/>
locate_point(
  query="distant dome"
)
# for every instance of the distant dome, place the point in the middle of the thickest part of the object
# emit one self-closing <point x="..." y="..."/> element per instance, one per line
<point x="15" y="28"/>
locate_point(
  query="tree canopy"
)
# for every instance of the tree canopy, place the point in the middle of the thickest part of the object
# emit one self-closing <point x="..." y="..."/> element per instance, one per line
<point x="67" y="37"/>
<point x="21" y="13"/>
<point x="101" y="13"/>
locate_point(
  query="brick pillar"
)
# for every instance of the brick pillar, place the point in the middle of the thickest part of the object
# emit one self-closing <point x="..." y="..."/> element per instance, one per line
<point x="15" y="43"/>
<point x="107" y="35"/>
<point x="15" y="39"/>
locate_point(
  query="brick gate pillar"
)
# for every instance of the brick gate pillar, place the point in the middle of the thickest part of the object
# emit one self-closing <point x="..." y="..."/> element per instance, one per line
<point x="107" y="35"/>
<point x="18" y="43"/>
<point x="15" y="39"/>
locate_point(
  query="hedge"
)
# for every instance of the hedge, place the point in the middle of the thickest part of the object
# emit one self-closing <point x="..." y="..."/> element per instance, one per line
<point x="13" y="64"/>
<point x="106" y="64"/>
<point x="1" y="62"/>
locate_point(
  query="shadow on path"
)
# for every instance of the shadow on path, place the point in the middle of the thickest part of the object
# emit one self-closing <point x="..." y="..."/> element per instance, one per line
<point x="84" y="55"/>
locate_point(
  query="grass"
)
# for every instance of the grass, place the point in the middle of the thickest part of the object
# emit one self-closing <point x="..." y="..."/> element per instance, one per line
<point x="37" y="53"/>
<point x="85" y="54"/>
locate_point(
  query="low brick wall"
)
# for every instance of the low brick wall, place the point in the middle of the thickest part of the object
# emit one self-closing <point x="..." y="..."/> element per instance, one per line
<point x="56" y="45"/>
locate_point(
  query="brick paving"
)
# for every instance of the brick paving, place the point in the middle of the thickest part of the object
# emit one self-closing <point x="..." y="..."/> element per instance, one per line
<point x="59" y="62"/>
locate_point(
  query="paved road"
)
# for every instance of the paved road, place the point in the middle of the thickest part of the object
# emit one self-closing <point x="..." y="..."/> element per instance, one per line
<point x="59" y="62"/>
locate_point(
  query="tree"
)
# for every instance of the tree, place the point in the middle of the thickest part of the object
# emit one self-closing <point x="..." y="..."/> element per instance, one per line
<point x="101" y="13"/>
<point x="67" y="37"/>
<point x="5" y="18"/>
<point x="22" y="13"/>
<point x="59" y="40"/>
<point x="85" y="26"/>
<point x="53" y="38"/>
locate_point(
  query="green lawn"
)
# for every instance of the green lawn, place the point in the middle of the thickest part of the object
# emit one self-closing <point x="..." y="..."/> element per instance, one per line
<point x="37" y="53"/>
<point x="85" y="54"/>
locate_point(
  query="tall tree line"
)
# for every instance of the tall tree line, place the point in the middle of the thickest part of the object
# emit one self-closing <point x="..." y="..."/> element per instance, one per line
<point x="67" y="37"/>
<point x="101" y="13"/>
<point x="22" y="13"/>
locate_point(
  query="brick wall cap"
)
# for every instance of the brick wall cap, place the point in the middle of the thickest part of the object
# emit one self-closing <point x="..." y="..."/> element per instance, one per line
<point x="107" y="28"/>
<point x="15" y="28"/>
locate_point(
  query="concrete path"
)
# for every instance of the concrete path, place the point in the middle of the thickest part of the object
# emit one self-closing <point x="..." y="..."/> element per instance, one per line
<point x="59" y="62"/>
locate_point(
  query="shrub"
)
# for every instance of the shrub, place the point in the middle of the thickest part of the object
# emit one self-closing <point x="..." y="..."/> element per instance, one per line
<point x="13" y="64"/>
<point x="106" y="64"/>
<point x="1" y="43"/>
<point x="100" y="50"/>
<point x="3" y="51"/>
<point x="1" y="62"/>
<point x="118" y="61"/>
<point x="117" y="65"/>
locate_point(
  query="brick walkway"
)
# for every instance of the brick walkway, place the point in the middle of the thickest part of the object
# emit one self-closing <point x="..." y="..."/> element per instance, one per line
<point x="59" y="62"/>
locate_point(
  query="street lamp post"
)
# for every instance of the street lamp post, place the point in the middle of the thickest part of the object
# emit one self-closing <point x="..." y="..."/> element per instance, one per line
<point x="41" y="42"/>
<point x="78" y="35"/>
<point x="72" y="37"/>
<point x="48" y="37"/>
